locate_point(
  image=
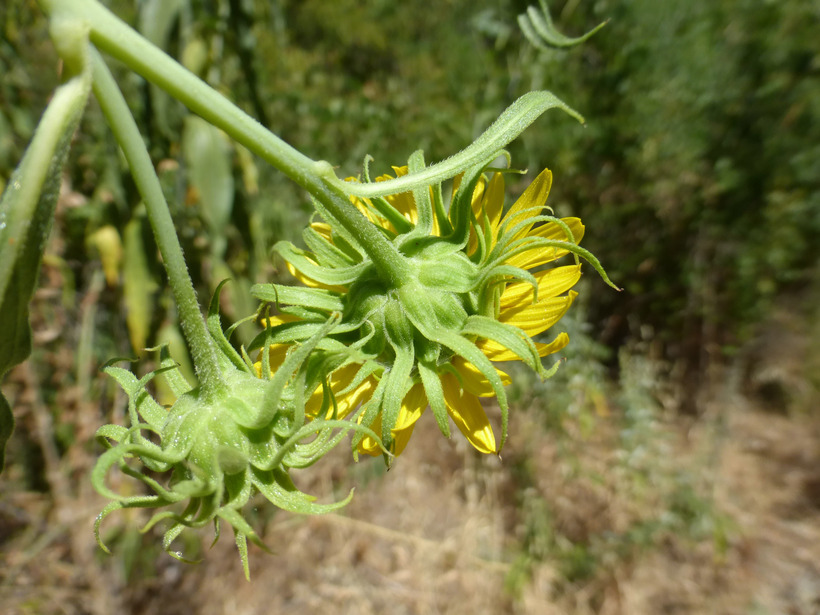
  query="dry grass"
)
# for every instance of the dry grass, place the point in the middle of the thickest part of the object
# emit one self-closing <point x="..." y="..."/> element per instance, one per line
<point x="443" y="530"/>
<point x="645" y="513"/>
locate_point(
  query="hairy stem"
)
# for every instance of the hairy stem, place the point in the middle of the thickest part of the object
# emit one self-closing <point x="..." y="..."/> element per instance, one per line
<point x="115" y="109"/>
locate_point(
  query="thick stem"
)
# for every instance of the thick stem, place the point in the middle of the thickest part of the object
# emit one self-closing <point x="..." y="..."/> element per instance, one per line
<point x="114" y="37"/>
<point x="115" y="109"/>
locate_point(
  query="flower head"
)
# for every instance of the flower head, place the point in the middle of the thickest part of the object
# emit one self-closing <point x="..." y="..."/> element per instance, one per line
<point x="210" y="452"/>
<point x="480" y="285"/>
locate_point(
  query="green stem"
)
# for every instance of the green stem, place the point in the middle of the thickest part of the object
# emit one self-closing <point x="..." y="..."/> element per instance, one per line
<point x="115" y="109"/>
<point x="120" y="41"/>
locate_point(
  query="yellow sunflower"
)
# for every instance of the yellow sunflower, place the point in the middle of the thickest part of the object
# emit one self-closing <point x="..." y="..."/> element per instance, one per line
<point x="463" y="384"/>
<point x="522" y="294"/>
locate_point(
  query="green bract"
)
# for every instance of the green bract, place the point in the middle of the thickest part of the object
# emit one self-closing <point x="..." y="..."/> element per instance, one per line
<point x="207" y="455"/>
<point x="437" y="314"/>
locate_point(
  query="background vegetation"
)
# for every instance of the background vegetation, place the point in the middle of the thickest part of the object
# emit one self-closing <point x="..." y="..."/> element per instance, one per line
<point x="671" y="466"/>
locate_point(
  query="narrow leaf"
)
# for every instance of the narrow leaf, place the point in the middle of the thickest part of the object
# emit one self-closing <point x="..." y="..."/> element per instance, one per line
<point x="210" y="176"/>
<point x="27" y="211"/>
<point x="139" y="285"/>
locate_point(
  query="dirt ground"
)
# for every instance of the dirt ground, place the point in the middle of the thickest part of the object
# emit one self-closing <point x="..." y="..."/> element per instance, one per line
<point x="442" y="531"/>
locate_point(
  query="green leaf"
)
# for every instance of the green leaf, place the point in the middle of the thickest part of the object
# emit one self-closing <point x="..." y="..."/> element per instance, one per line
<point x="461" y="209"/>
<point x="175" y="381"/>
<point x="275" y="387"/>
<point x="209" y="173"/>
<point x="215" y="328"/>
<point x="398" y="380"/>
<point x="118" y="433"/>
<point x="417" y="306"/>
<point x="139" y="402"/>
<point x="235" y="302"/>
<point x="383" y="207"/>
<point x="27" y="210"/>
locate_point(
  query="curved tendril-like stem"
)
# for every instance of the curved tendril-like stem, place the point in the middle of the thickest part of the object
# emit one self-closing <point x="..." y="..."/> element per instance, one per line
<point x="509" y="125"/>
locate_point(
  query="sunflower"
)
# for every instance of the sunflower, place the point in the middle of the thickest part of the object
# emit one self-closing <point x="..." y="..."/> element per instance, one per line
<point x="487" y="285"/>
<point x="462" y="383"/>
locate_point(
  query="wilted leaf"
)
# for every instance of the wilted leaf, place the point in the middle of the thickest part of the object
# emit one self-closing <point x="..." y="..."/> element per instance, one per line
<point x="107" y="242"/>
<point x="26" y="214"/>
<point x="139" y="285"/>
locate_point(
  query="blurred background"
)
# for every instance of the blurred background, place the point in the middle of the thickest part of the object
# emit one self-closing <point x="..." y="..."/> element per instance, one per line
<point x="673" y="463"/>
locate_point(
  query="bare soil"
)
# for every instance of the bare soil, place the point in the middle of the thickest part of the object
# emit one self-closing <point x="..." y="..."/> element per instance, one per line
<point x="444" y="530"/>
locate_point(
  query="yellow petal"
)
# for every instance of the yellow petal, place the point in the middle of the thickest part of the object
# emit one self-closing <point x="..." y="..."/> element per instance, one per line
<point x="492" y="201"/>
<point x="278" y="319"/>
<point x="347" y="401"/>
<point x="534" y="196"/>
<point x="489" y="206"/>
<point x="369" y="445"/>
<point x="412" y="407"/>
<point x="323" y="229"/>
<point x="405" y="204"/>
<point x="436" y="229"/>
<point x="559" y="343"/>
<point x="478" y="191"/>
<point x="497" y="352"/>
<point x="537" y="317"/>
<point x="468" y="415"/>
<point x="551" y="283"/>
<point x="278" y="352"/>
<point x="401" y="437"/>
<point x="474" y="381"/>
<point x="310" y="282"/>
